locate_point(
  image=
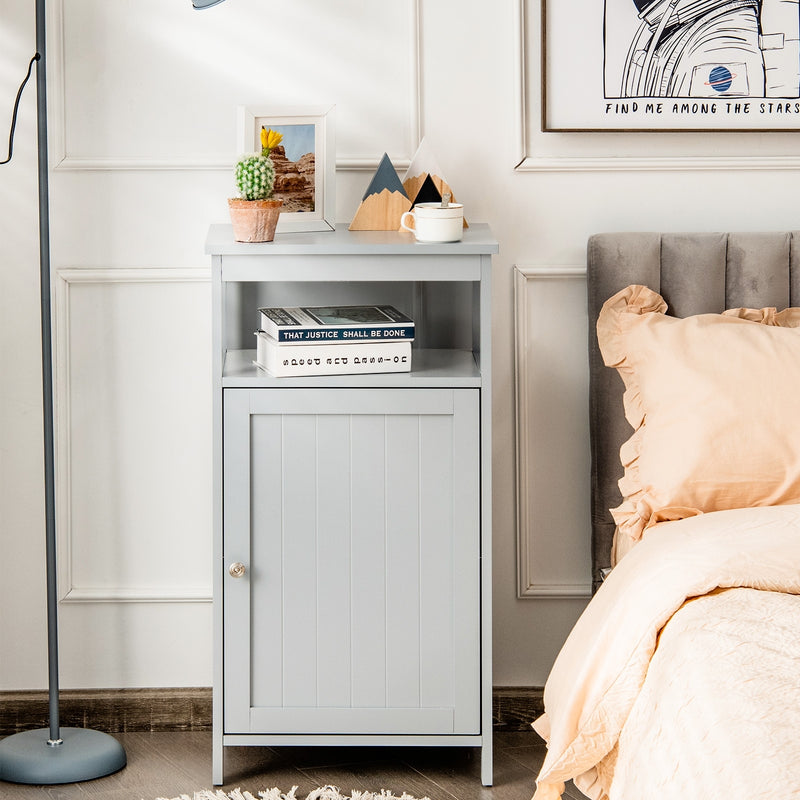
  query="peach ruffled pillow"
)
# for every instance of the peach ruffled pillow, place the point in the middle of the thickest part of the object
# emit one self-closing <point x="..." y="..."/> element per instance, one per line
<point x="714" y="401"/>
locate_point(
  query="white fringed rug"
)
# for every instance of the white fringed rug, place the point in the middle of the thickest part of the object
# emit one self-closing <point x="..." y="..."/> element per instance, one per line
<point x="323" y="793"/>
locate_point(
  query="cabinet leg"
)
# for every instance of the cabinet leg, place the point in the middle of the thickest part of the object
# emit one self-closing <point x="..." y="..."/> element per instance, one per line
<point x="487" y="762"/>
<point x="217" y="766"/>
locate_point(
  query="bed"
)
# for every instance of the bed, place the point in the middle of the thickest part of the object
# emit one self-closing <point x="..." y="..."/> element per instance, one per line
<point x="682" y="677"/>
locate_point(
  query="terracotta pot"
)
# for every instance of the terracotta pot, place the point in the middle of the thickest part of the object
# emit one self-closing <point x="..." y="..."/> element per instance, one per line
<point x="254" y="220"/>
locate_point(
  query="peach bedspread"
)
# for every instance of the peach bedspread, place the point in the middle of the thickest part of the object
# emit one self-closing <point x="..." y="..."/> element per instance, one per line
<point x="708" y="706"/>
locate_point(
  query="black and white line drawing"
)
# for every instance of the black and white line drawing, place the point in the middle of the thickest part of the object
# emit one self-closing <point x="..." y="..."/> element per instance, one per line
<point x="703" y="49"/>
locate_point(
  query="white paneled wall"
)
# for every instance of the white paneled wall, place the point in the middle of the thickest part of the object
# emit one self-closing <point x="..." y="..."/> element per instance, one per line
<point x="133" y="477"/>
<point x="190" y="71"/>
<point x="554" y="558"/>
<point x="143" y="100"/>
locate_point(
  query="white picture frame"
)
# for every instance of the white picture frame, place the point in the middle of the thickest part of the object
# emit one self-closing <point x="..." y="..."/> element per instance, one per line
<point x="307" y="131"/>
<point x="652" y="65"/>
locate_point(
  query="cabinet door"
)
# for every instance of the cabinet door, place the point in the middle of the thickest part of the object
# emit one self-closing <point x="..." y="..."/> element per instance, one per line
<point x="357" y="516"/>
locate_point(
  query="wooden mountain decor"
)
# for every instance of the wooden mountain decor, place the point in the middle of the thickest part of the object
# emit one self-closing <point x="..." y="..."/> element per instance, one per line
<point x="428" y="193"/>
<point x="424" y="180"/>
<point x="423" y="165"/>
<point x="384" y="202"/>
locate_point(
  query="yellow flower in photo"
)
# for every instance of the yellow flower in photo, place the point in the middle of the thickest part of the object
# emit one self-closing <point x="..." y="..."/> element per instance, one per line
<point x="269" y="139"/>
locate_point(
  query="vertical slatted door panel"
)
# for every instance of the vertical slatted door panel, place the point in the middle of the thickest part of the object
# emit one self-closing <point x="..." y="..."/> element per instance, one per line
<point x="367" y="468"/>
<point x="437" y="637"/>
<point x="363" y="593"/>
<point x="403" y="554"/>
<point x="236" y="547"/>
<point x="266" y="583"/>
<point x="299" y="567"/>
<point x="466" y="568"/>
<point x="333" y="572"/>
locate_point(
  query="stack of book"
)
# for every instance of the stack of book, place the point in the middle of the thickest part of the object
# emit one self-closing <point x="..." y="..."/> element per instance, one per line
<point x="334" y="340"/>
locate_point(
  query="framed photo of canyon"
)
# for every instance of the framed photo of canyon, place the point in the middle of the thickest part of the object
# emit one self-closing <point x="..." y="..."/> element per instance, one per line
<point x="670" y="65"/>
<point x="304" y="159"/>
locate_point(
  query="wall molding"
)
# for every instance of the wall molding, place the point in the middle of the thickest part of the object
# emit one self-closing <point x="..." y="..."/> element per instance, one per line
<point x="135" y="594"/>
<point x="528" y="160"/>
<point x="61" y="160"/>
<point x="65" y="278"/>
<point x="527" y="587"/>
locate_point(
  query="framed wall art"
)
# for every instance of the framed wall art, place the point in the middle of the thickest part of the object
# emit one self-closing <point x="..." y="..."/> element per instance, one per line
<point x="685" y="65"/>
<point x="305" y="162"/>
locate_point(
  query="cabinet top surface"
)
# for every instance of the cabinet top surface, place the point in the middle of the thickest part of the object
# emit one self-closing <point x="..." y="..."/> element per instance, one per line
<point x="477" y="239"/>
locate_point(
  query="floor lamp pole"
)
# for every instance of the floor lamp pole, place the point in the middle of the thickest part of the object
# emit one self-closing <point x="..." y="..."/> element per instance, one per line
<point x="47" y="373"/>
<point x="54" y="755"/>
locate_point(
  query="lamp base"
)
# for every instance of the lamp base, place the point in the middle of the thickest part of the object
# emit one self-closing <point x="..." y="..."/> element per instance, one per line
<point x="82" y="756"/>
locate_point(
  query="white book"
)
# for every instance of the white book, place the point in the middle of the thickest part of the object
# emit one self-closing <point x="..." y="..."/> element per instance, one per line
<point x="336" y="324"/>
<point x="285" y="360"/>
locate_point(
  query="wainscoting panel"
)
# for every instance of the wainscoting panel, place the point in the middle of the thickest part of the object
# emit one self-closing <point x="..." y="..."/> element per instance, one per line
<point x="133" y="433"/>
<point x="111" y="56"/>
<point x="553" y="534"/>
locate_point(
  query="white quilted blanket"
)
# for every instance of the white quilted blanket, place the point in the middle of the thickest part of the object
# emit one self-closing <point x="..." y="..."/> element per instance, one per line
<point x="705" y="706"/>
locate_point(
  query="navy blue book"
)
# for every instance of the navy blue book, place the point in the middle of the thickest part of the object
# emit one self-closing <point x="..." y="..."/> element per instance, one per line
<point x="340" y="324"/>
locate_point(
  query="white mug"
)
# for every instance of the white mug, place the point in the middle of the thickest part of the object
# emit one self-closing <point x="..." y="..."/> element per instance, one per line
<point x="434" y="222"/>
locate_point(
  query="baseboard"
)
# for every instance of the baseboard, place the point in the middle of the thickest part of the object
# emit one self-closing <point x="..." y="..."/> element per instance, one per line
<point x="118" y="710"/>
<point x="516" y="707"/>
<point x="110" y="710"/>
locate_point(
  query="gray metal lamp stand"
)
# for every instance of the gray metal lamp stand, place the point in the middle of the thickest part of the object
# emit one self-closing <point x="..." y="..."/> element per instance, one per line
<point x="54" y="755"/>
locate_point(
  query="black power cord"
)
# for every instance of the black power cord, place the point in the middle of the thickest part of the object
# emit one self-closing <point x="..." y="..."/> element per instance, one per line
<point x="16" y="108"/>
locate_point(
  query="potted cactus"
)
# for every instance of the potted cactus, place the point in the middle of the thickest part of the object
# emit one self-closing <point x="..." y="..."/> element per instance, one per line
<point x="254" y="213"/>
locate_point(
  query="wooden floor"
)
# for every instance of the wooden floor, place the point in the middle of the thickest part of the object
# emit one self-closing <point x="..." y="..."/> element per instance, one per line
<point x="170" y="764"/>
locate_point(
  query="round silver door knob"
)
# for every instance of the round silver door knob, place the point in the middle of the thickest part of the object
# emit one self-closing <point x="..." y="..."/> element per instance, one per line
<point x="237" y="569"/>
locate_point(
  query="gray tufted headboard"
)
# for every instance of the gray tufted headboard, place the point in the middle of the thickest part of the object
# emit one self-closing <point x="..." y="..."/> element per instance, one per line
<point x="695" y="273"/>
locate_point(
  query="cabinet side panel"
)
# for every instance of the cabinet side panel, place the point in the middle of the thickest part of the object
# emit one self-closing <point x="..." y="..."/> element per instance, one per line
<point x="436" y="558"/>
<point x="368" y="559"/>
<point x="266" y="577"/>
<point x="402" y="561"/>
<point x="333" y="559"/>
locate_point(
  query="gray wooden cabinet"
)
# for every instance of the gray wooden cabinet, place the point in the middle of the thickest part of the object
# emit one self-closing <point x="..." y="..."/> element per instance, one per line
<point x="352" y="514"/>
